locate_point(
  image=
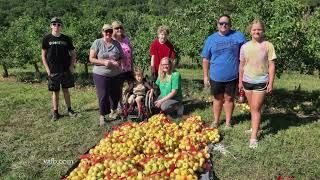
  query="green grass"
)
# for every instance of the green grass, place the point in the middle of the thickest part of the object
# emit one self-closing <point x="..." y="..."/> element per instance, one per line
<point x="289" y="145"/>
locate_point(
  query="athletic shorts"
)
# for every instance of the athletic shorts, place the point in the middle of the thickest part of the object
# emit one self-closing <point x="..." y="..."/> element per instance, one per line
<point x="65" y="79"/>
<point x="229" y="87"/>
<point x="254" y="87"/>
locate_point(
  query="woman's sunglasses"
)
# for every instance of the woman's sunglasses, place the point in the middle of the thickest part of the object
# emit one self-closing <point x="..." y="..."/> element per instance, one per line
<point x="223" y="23"/>
<point x="117" y="28"/>
<point x="56" y="24"/>
<point x="110" y="31"/>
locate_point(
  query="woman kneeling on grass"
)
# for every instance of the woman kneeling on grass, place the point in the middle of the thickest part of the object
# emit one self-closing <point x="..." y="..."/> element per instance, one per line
<point x="256" y="74"/>
<point x="169" y="82"/>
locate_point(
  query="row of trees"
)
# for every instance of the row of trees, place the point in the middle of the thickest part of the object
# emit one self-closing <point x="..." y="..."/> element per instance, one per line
<point x="292" y="25"/>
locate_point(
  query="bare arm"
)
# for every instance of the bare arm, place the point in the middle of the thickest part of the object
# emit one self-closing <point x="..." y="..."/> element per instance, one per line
<point x="149" y="87"/>
<point x="44" y="60"/>
<point x="170" y="95"/>
<point x="152" y="64"/>
<point x="205" y="67"/>
<point x="94" y="59"/>
<point x="241" y="65"/>
<point x="167" y="97"/>
<point x="272" y="72"/>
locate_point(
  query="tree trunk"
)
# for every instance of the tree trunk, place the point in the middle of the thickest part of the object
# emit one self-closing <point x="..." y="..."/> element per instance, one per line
<point x="86" y="70"/>
<point x="36" y="67"/>
<point x="5" y="71"/>
<point x="37" y="73"/>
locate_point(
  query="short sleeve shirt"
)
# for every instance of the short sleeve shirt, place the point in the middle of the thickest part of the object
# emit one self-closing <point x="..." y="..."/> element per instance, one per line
<point x="167" y="86"/>
<point x="57" y="52"/>
<point x="222" y="51"/>
<point x="160" y="51"/>
<point x="139" y="90"/>
<point x="104" y="52"/>
<point x="256" y="57"/>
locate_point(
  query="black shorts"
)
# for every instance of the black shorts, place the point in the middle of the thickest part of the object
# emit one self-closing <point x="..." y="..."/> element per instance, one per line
<point x="65" y="79"/>
<point x="229" y="87"/>
<point x="254" y="87"/>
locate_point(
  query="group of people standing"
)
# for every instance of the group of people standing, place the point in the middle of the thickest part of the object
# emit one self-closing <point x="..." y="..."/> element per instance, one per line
<point x="229" y="64"/>
<point x="112" y="58"/>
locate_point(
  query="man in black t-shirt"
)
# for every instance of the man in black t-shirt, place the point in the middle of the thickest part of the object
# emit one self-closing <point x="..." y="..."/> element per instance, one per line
<point x="58" y="57"/>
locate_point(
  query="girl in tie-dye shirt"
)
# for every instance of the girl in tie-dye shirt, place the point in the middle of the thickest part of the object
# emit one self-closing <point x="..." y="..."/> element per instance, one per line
<point x="256" y="74"/>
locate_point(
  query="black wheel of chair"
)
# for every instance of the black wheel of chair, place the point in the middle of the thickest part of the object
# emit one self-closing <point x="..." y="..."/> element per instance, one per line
<point x="149" y="102"/>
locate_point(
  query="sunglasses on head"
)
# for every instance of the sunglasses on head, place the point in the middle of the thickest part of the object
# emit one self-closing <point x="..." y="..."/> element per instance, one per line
<point x="110" y="31"/>
<point x="224" y="23"/>
<point x="117" y="28"/>
<point x="56" y="24"/>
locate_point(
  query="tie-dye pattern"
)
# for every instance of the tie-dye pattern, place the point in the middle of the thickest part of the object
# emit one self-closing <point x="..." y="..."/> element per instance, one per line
<point x="126" y="64"/>
<point x="256" y="57"/>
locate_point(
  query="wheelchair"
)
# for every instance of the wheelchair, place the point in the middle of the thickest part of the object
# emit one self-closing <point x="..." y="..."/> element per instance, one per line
<point x="129" y="112"/>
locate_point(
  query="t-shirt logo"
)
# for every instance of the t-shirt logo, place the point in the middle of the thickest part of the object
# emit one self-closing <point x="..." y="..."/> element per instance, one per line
<point x="58" y="42"/>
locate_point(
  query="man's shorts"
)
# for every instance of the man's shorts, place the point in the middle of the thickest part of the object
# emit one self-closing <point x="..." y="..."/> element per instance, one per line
<point x="65" y="79"/>
<point x="229" y="87"/>
<point x="254" y="87"/>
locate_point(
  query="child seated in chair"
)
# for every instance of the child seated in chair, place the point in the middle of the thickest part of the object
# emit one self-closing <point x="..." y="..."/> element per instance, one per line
<point x="138" y="88"/>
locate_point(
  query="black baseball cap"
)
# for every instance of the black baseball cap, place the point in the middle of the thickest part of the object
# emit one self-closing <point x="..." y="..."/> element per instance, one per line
<point x="56" y="20"/>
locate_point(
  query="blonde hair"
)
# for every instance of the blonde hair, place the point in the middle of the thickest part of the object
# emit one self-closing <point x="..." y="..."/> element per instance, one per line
<point x="164" y="29"/>
<point x="257" y="21"/>
<point x="162" y="75"/>
<point x="138" y="71"/>
<point x="117" y="24"/>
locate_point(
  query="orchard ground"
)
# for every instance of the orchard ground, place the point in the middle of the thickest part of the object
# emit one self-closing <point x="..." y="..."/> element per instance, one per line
<point x="32" y="147"/>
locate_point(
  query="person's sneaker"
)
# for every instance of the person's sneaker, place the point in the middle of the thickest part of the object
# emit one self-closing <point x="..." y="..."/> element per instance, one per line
<point x="55" y="116"/>
<point x="101" y="121"/>
<point x="119" y="108"/>
<point x="253" y="143"/>
<point x="72" y="114"/>
<point x="114" y="115"/>
<point x="227" y="127"/>
<point x="214" y="124"/>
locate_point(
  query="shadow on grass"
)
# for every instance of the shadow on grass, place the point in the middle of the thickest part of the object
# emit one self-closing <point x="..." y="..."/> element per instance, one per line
<point x="91" y="110"/>
<point x="190" y="87"/>
<point x="298" y="101"/>
<point x="191" y="105"/>
<point x="284" y="109"/>
<point x="281" y="121"/>
<point x="195" y="95"/>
